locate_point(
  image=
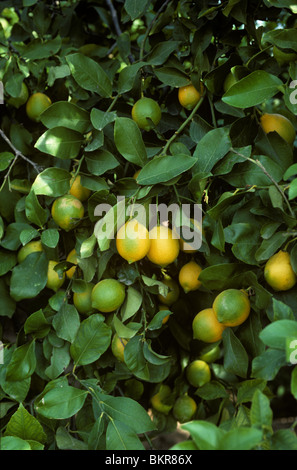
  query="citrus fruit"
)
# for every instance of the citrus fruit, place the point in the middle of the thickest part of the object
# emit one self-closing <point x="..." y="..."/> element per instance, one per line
<point x="198" y="373"/>
<point x="132" y="241"/>
<point x="188" y="96"/>
<point x="278" y="272"/>
<point x="283" y="57"/>
<point x="134" y="389"/>
<point x="54" y="281"/>
<point x="18" y="101"/>
<point x="188" y="276"/>
<point x="188" y="246"/>
<point x="206" y="327"/>
<point x="164" y="248"/>
<point x="82" y="300"/>
<point x="184" y="408"/>
<point x="136" y="173"/>
<point x="172" y="294"/>
<point x="72" y="258"/>
<point x="231" y="307"/>
<point x="165" y="319"/>
<point x="210" y="354"/>
<point x="78" y="190"/>
<point x="117" y="347"/>
<point x="161" y="400"/>
<point x="67" y="211"/>
<point x="30" y="247"/>
<point x="108" y="295"/>
<point x="146" y="113"/>
<point x="280" y="124"/>
<point x="36" y="104"/>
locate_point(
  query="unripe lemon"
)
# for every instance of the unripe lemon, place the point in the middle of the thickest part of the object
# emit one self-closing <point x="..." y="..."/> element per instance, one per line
<point x="206" y="326"/>
<point x="83" y="300"/>
<point x="146" y="113"/>
<point x="280" y="124"/>
<point x="78" y="190"/>
<point x="36" y="104"/>
<point x="117" y="347"/>
<point x="172" y="294"/>
<point x="184" y="408"/>
<point x="161" y="400"/>
<point x="231" y="307"/>
<point x="67" y="211"/>
<point x="198" y="373"/>
<point x="278" y="272"/>
<point x="72" y="258"/>
<point x="21" y="99"/>
<point x="108" y="295"/>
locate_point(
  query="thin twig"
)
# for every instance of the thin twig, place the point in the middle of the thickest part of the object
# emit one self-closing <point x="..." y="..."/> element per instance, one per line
<point x="116" y="23"/>
<point x="150" y="28"/>
<point x="17" y="155"/>
<point x="262" y="167"/>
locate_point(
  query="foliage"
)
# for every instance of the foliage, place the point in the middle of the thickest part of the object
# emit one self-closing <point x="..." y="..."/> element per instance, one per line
<point x="60" y="385"/>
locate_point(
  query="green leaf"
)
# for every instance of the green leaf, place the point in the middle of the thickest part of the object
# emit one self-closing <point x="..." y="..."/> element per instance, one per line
<point x="39" y="48"/>
<point x="52" y="182"/>
<point x="282" y="38"/>
<point x="241" y="439"/>
<point x="206" y="435"/>
<point x="65" y="441"/>
<point x="161" y="52"/>
<point x="132" y="303"/>
<point x="235" y="356"/>
<point x="266" y="365"/>
<point x="128" y="140"/>
<point x="172" y="76"/>
<point x="125" y="409"/>
<point x="294" y="382"/>
<point x="89" y="74"/>
<point x="5" y="160"/>
<point x="60" y="142"/>
<point x="50" y="237"/>
<point x="252" y="90"/>
<point x="14" y="443"/>
<point x="60" y="359"/>
<point x="247" y="389"/>
<point x="25" y="426"/>
<point x="261" y="414"/>
<point x="100" y="119"/>
<point x="211" y="149"/>
<point x="284" y="439"/>
<point x="60" y="402"/>
<point x="35" y="213"/>
<point x="67" y="115"/>
<point x="92" y="340"/>
<point x="7" y="261"/>
<point x="212" y="391"/>
<point x="135" y="8"/>
<point x="37" y="325"/>
<point x="163" y="169"/>
<point x="100" y="161"/>
<point x="34" y="267"/>
<point x="66" y="322"/>
<point x="121" y="437"/>
<point x="23" y="362"/>
<point x="275" y="334"/>
<point x="128" y="76"/>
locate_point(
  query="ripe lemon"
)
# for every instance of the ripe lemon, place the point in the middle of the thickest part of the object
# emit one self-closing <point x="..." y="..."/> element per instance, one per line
<point x="184" y="408"/>
<point x="206" y="326"/>
<point x="36" y="104"/>
<point x="67" y="212"/>
<point x="78" y="190"/>
<point x="172" y="294"/>
<point x="280" y="124"/>
<point x="117" y="347"/>
<point x="132" y="241"/>
<point x="188" y="96"/>
<point x="54" y="281"/>
<point x="83" y="300"/>
<point x="278" y="272"/>
<point x="187" y="247"/>
<point x="18" y="101"/>
<point x="188" y="276"/>
<point x="198" y="373"/>
<point x="164" y="249"/>
<point x="108" y="295"/>
<point x="30" y="247"/>
<point x="72" y="258"/>
<point x="161" y="401"/>
<point x="231" y="307"/>
<point x="146" y="113"/>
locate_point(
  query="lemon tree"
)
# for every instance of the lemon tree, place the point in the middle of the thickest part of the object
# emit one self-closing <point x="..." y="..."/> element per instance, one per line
<point x="122" y="123"/>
